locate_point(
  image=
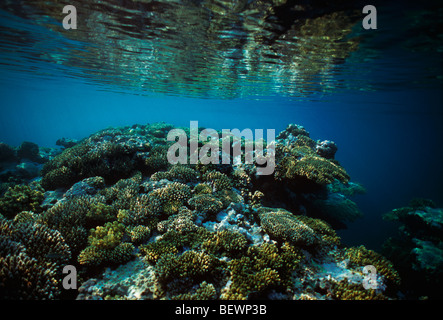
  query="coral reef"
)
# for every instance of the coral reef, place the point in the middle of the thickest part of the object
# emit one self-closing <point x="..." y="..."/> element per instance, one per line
<point x="136" y="227"/>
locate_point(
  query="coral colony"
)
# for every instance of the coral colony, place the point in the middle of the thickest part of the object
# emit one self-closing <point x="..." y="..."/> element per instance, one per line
<point x="230" y="138"/>
<point x="109" y="217"/>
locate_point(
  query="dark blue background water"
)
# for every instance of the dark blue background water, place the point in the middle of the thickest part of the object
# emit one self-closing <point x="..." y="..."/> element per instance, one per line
<point x="389" y="140"/>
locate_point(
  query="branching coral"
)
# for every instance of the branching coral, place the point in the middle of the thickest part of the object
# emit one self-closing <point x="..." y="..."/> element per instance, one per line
<point x="311" y="167"/>
<point x="262" y="268"/>
<point x="360" y="256"/>
<point x="181" y="222"/>
<point x="21" y="198"/>
<point x="345" y="290"/>
<point x="191" y="264"/>
<point x="174" y="241"/>
<point x="106" y="246"/>
<point x="23" y="277"/>
<point x="283" y="226"/>
<point x="171" y="197"/>
<point x="226" y="242"/>
<point x="110" y="154"/>
<point x="31" y="259"/>
<point x="205" y="291"/>
<point x="297" y="157"/>
<point x="206" y="203"/>
<point x="177" y="173"/>
<point x="217" y="180"/>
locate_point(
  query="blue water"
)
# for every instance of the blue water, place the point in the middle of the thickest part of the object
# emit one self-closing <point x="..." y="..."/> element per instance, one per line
<point x="388" y="133"/>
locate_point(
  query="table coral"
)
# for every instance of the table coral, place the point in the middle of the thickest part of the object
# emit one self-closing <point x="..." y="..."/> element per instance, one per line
<point x="283" y="226"/>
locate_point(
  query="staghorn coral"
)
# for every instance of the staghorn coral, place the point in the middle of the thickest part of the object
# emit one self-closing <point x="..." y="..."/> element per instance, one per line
<point x="171" y="198"/>
<point x="41" y="242"/>
<point x="300" y="157"/>
<point x="94" y="256"/>
<point x="108" y="236"/>
<point x="191" y="264"/>
<point x="100" y="213"/>
<point x="228" y="196"/>
<point x="69" y="218"/>
<point x="174" y="241"/>
<point x="178" y="274"/>
<point x="157" y="160"/>
<point x="21" y="198"/>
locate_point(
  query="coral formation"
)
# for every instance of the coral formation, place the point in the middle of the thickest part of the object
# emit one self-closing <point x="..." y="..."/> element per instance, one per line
<point x="31" y="259"/>
<point x="140" y="228"/>
<point x="21" y="198"/>
<point x="106" y="246"/>
<point x="284" y="226"/>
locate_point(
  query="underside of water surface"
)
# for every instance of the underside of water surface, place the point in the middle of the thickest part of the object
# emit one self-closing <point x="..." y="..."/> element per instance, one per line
<point x="220" y="150"/>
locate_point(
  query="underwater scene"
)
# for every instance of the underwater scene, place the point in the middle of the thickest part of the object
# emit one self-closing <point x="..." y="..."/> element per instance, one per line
<point x="221" y="150"/>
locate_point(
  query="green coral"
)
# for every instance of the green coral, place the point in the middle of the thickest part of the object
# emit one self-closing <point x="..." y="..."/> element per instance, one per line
<point x="174" y="241"/>
<point x="31" y="260"/>
<point x="205" y="291"/>
<point x="181" y="222"/>
<point x="206" y="203"/>
<point x="226" y="242"/>
<point x="178" y="173"/>
<point x="191" y="264"/>
<point x="299" y="160"/>
<point x="217" y="180"/>
<point x="139" y="234"/>
<point x="94" y="156"/>
<point x="315" y="168"/>
<point x="345" y="290"/>
<point x="108" y="236"/>
<point x="100" y="213"/>
<point x="202" y="188"/>
<point x="171" y="198"/>
<point x="157" y="160"/>
<point x="21" y="198"/>
<point x="262" y="268"/>
<point x="283" y="226"/>
<point x="361" y="256"/>
<point x="106" y="246"/>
